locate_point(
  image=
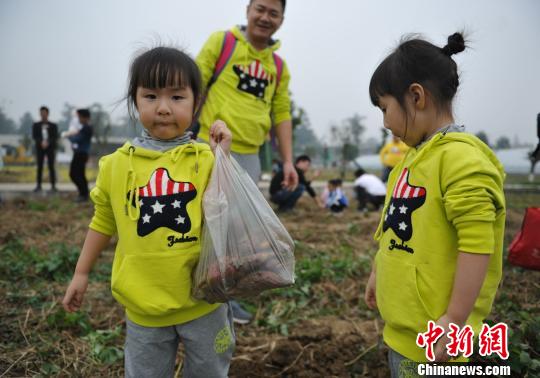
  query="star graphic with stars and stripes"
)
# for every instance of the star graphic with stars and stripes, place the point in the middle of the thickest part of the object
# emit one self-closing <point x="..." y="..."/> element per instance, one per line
<point x="406" y="198"/>
<point x="253" y="78"/>
<point x="163" y="204"/>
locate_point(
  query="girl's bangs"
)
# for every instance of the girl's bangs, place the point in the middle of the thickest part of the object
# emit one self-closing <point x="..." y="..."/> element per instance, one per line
<point x="162" y="75"/>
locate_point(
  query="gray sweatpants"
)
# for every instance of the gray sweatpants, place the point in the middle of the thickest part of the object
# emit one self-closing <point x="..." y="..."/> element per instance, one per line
<point x="209" y="343"/>
<point x="250" y="162"/>
<point x="401" y="367"/>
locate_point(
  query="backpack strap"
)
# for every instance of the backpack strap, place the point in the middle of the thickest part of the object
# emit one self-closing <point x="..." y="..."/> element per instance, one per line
<point x="227" y="49"/>
<point x="279" y="68"/>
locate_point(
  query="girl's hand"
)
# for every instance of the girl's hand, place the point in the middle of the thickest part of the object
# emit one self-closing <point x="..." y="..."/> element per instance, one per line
<point x="439" y="349"/>
<point x="219" y="133"/>
<point x="75" y="292"/>
<point x="369" y="296"/>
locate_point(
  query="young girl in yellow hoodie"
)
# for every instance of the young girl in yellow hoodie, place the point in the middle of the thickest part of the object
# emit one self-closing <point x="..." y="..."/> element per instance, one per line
<point x="441" y="232"/>
<point x="149" y="192"/>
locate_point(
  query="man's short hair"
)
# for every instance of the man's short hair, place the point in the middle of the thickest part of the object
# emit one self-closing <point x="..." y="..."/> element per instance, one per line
<point x="44" y="108"/>
<point x="85" y="113"/>
<point x="302" y="158"/>
<point x="359" y="172"/>
<point x="283" y="3"/>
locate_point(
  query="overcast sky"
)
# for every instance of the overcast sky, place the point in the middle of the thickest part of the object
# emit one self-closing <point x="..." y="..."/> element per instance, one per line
<point x="53" y="51"/>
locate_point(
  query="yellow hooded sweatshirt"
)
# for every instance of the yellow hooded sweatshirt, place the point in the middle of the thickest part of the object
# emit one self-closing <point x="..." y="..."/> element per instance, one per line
<point x="153" y="201"/>
<point x="245" y="94"/>
<point x="444" y="197"/>
<point x="392" y="153"/>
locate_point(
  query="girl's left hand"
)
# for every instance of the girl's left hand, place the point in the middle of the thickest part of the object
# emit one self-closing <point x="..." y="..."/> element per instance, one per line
<point x="219" y="133"/>
<point x="439" y="349"/>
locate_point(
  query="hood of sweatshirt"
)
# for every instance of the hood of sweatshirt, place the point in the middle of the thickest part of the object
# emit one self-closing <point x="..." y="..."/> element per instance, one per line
<point x="239" y="32"/>
<point x="251" y="52"/>
<point x="445" y="137"/>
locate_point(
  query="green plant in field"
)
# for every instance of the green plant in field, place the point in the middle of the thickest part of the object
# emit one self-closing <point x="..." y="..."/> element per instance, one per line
<point x="524" y="343"/>
<point x="59" y="263"/>
<point x="37" y="206"/>
<point x="523" y="338"/>
<point x="104" y="345"/>
<point x="49" y="369"/>
<point x="311" y="270"/>
<point x="16" y="260"/>
<point x="285" y="306"/>
<point x="20" y="264"/>
<point x="336" y="268"/>
<point x="32" y="295"/>
<point x="353" y="228"/>
<point x="61" y="320"/>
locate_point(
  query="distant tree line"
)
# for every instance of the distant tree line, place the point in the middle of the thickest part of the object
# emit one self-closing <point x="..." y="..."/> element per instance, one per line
<point x="343" y="144"/>
<point x="502" y="143"/>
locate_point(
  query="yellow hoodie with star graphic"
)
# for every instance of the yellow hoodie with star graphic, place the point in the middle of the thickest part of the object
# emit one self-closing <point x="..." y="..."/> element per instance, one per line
<point x="158" y="239"/>
<point x="449" y="198"/>
<point x="249" y="117"/>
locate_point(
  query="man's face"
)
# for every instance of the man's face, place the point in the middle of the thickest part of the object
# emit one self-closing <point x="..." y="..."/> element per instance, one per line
<point x="264" y="19"/>
<point x="303" y="165"/>
<point x="83" y="120"/>
<point x="44" y="114"/>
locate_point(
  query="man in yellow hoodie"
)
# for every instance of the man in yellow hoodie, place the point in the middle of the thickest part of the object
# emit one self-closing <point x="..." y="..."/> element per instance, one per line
<point x="248" y="94"/>
<point x="391" y="154"/>
<point x="251" y="94"/>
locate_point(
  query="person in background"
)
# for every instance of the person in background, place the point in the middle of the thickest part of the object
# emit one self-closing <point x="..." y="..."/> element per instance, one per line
<point x="45" y="135"/>
<point x="276" y="167"/>
<point x="74" y="126"/>
<point x="336" y="200"/>
<point x="369" y="190"/>
<point x="250" y="94"/>
<point x="534" y="156"/>
<point x="286" y="199"/>
<point x="391" y="154"/>
<point x="80" y="142"/>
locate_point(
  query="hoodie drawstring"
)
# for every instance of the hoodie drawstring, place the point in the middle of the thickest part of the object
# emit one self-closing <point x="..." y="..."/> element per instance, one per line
<point x="177" y="152"/>
<point x="131" y="188"/>
<point x="132" y="205"/>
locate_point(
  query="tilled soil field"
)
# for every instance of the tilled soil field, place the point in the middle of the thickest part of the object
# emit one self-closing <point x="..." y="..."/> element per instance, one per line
<point x="319" y="328"/>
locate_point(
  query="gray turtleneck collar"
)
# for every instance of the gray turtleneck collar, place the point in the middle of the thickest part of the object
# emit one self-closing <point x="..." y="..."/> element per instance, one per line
<point x="452" y="128"/>
<point x="150" y="143"/>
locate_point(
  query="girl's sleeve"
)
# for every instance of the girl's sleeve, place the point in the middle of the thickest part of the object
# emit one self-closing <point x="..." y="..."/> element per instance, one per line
<point x="103" y="219"/>
<point x="473" y="196"/>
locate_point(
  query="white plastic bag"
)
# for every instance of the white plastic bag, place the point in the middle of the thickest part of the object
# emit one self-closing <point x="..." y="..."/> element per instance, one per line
<point x="245" y="248"/>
